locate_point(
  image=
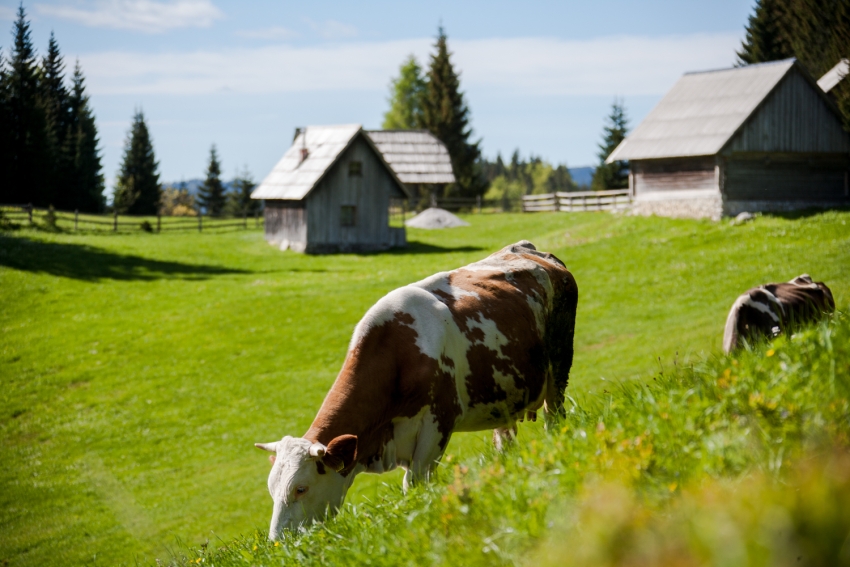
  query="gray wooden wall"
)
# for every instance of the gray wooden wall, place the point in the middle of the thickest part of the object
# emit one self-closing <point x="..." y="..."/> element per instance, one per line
<point x="787" y="178"/>
<point x="370" y="193"/>
<point x="285" y="220"/>
<point x="673" y="174"/>
<point x="793" y="118"/>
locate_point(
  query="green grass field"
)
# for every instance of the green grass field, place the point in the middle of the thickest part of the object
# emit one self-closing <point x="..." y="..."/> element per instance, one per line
<point x="138" y="369"/>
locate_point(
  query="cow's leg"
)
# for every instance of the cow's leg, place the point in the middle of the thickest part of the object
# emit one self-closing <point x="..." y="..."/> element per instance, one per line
<point x="429" y="448"/>
<point x="504" y="436"/>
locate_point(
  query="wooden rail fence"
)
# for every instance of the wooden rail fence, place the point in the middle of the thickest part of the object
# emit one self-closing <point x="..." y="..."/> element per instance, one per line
<point x="577" y="201"/>
<point x="116" y="222"/>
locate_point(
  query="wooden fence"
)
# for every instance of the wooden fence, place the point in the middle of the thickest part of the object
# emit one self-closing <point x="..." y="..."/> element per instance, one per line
<point x="74" y="220"/>
<point x="578" y="201"/>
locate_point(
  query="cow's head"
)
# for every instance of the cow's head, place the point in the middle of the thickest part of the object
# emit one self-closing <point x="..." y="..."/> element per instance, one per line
<point x="306" y="481"/>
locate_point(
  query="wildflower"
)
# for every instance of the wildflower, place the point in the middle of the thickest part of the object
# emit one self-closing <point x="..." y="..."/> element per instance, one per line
<point x="771" y="352"/>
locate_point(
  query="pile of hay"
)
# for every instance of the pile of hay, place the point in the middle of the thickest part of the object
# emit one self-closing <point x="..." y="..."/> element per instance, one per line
<point x="435" y="218"/>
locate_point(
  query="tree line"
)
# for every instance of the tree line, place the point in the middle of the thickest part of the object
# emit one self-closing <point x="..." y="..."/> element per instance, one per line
<point x="138" y="190"/>
<point x="816" y="32"/>
<point x="48" y="138"/>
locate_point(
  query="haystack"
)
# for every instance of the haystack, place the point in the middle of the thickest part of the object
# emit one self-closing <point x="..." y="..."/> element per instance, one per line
<point x="435" y="218"/>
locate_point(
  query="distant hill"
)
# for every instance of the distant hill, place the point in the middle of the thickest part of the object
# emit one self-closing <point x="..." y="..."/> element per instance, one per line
<point x="582" y="175"/>
<point x="194" y="185"/>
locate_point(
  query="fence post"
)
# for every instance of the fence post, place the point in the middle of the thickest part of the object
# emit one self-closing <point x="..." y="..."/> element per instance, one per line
<point x="29" y="210"/>
<point x="158" y="221"/>
<point x="245" y="219"/>
<point x="76" y="215"/>
<point x="200" y="221"/>
<point x="257" y="219"/>
<point x="115" y="221"/>
<point x="478" y="203"/>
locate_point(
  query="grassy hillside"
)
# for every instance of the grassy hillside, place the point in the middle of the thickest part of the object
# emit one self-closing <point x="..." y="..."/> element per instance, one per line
<point x="138" y="369"/>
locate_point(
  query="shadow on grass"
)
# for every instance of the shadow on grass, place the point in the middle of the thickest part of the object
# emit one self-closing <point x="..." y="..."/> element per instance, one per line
<point x="804" y="213"/>
<point x="415" y="247"/>
<point x="90" y="263"/>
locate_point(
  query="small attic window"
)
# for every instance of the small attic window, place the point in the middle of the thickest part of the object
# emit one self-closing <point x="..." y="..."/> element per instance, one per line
<point x="355" y="168"/>
<point x="304" y="153"/>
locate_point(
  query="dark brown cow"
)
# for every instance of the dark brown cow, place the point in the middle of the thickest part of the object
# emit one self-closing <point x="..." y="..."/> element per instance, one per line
<point x="476" y="348"/>
<point x="772" y="309"/>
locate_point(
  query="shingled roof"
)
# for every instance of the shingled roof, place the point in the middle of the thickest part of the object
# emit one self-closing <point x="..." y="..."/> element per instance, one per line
<point x="702" y="112"/>
<point x="416" y="156"/>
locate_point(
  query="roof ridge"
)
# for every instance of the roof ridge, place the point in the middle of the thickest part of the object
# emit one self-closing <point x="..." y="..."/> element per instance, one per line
<point x="750" y="66"/>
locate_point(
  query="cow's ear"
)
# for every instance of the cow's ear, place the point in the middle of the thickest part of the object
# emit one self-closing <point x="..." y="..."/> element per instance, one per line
<point x="341" y="452"/>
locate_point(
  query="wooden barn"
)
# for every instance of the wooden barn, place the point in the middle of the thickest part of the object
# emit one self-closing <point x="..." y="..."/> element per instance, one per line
<point x="331" y="192"/>
<point x="763" y="137"/>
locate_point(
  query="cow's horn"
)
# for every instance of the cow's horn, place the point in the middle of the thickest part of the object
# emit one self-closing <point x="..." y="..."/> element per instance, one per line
<point x="272" y="447"/>
<point x="318" y="450"/>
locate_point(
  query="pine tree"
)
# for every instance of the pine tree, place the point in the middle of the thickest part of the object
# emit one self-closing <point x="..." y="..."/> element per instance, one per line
<point x="85" y="181"/>
<point x="211" y="193"/>
<point x="26" y="179"/>
<point x="446" y="115"/>
<point x="406" y="93"/>
<point x="614" y="175"/>
<point x="137" y="191"/>
<point x="240" y="201"/>
<point x="54" y="103"/>
<point x="767" y="34"/>
<point x="6" y="161"/>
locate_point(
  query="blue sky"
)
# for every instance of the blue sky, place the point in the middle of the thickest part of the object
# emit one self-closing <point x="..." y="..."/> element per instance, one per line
<point x="538" y="76"/>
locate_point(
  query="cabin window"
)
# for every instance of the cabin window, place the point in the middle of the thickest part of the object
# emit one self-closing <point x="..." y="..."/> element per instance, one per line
<point x="347" y="215"/>
<point x="355" y="168"/>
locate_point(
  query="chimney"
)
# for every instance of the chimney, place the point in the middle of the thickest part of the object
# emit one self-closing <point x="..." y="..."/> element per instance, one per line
<point x="297" y="132"/>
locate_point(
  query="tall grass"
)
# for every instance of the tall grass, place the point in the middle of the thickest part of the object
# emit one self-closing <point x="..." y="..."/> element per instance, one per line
<point x="732" y="461"/>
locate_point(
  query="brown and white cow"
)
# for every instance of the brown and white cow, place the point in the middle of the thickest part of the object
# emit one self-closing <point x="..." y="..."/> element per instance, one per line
<point x="476" y="348"/>
<point x="772" y="309"/>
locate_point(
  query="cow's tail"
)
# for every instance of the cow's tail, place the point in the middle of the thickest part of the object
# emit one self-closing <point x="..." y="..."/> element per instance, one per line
<point x="560" y="334"/>
<point x="730" y="334"/>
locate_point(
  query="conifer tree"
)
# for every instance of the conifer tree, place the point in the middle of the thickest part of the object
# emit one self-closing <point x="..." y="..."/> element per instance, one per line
<point x="137" y="191"/>
<point x="5" y="134"/>
<point x="25" y="180"/>
<point x="211" y="193"/>
<point x="406" y="93"/>
<point x="53" y="99"/>
<point x="767" y="34"/>
<point x="241" y="202"/>
<point x="85" y="181"/>
<point x="446" y="115"/>
<point x="614" y="175"/>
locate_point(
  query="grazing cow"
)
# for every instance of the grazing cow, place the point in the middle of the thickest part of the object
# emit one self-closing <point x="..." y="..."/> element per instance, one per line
<point x="771" y="309"/>
<point x="480" y="347"/>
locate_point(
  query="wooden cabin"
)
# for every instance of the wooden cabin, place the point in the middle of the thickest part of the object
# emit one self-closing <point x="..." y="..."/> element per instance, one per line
<point x="763" y="137"/>
<point x="331" y="192"/>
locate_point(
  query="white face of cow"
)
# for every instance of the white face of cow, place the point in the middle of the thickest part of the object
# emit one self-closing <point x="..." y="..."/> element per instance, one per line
<point x="305" y="481"/>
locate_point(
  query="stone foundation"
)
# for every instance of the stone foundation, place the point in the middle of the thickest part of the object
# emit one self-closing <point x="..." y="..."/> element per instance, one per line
<point x="691" y="204"/>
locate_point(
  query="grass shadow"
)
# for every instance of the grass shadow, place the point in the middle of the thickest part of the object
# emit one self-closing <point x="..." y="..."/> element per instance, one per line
<point x="90" y="263"/>
<point x="804" y="213"/>
<point x="414" y="247"/>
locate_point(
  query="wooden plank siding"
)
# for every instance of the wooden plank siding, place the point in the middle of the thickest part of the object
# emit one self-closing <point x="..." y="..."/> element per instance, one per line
<point x="795" y="117"/>
<point x="787" y="178"/>
<point x="285" y="220"/>
<point x="673" y="174"/>
<point x="369" y="193"/>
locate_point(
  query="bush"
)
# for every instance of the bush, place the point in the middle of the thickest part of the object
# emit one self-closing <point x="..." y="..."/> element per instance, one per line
<point x="146" y="226"/>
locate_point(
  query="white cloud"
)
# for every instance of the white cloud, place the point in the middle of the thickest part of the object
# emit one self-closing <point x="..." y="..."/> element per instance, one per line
<point x="271" y="33"/>
<point x="331" y="29"/>
<point x="147" y="16"/>
<point x="624" y="66"/>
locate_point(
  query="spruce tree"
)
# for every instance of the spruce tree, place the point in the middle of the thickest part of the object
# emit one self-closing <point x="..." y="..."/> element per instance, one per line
<point x="241" y="202"/>
<point x="85" y="181"/>
<point x="767" y="34"/>
<point x="211" y="193"/>
<point x="446" y="115"/>
<point x="53" y="99"/>
<point x="614" y="175"/>
<point x="26" y="180"/>
<point x="406" y="93"/>
<point x="137" y="190"/>
<point x="6" y="195"/>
